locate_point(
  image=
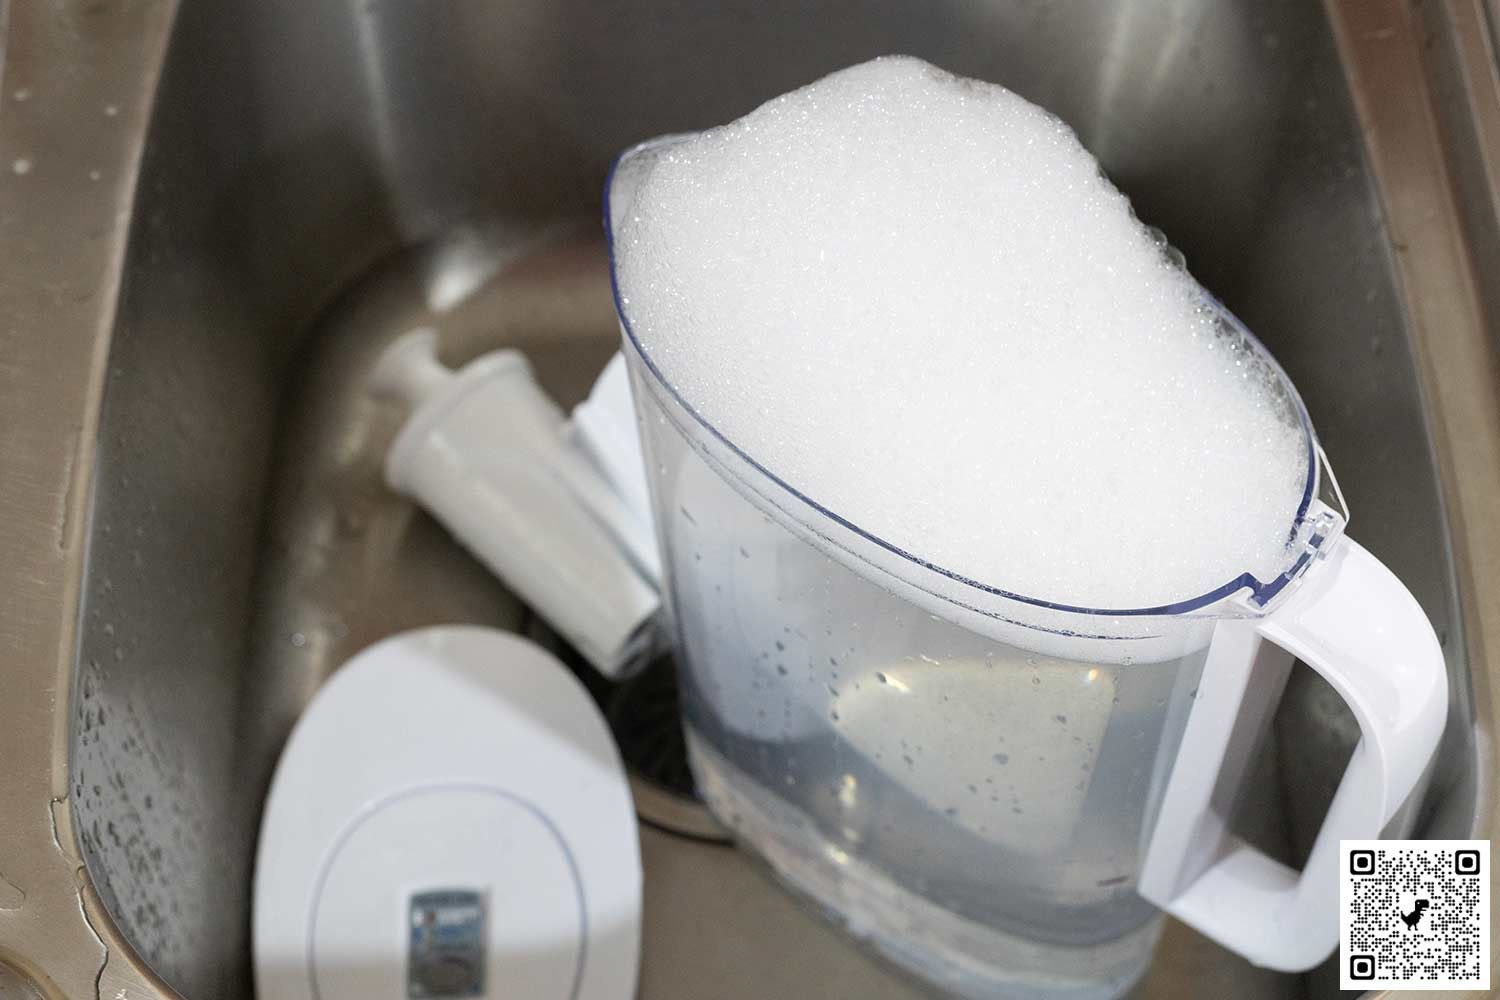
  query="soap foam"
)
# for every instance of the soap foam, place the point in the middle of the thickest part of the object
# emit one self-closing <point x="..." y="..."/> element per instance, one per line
<point x="916" y="300"/>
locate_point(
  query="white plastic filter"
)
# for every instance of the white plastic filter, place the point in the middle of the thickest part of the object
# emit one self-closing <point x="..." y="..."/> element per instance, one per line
<point x="493" y="458"/>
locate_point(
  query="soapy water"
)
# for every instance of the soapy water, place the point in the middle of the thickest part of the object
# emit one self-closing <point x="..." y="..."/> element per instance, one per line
<point x="916" y="300"/>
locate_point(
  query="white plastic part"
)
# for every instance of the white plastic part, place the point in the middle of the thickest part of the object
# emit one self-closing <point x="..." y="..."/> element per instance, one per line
<point x="492" y="457"/>
<point x="1353" y="622"/>
<point x="452" y="761"/>
<point x="605" y="427"/>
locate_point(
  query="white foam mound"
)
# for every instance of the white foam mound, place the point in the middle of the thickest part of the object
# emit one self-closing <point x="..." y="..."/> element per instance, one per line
<point x="915" y="299"/>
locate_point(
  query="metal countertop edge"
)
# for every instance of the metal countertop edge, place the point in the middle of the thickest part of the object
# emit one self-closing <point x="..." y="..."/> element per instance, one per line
<point x="1382" y="45"/>
<point x="79" y="81"/>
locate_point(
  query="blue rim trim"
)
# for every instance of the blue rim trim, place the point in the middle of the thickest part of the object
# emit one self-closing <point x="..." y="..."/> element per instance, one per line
<point x="1262" y="591"/>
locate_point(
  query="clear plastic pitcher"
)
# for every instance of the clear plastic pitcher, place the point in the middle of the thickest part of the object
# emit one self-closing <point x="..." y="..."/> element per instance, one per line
<point x="1003" y="794"/>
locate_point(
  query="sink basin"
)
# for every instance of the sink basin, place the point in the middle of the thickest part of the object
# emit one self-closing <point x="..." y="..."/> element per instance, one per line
<point x="308" y="181"/>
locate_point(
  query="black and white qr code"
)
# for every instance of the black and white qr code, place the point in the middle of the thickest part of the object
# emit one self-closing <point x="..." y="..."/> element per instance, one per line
<point x="1414" y="914"/>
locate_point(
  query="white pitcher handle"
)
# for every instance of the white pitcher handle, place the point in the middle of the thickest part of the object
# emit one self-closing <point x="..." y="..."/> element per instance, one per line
<point x="1353" y="622"/>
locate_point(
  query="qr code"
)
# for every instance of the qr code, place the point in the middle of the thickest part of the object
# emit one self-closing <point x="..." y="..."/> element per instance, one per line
<point x="1414" y="914"/>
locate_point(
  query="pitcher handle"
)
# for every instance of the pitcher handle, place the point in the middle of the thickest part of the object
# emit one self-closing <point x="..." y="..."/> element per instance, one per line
<point x="1354" y="623"/>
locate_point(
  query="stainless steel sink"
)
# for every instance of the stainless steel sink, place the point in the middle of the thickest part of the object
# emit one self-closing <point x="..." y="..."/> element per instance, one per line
<point x="229" y="208"/>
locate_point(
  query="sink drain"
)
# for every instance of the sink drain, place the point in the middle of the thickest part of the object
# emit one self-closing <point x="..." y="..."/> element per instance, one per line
<point x="643" y="717"/>
<point x="643" y="714"/>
